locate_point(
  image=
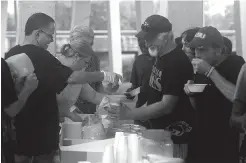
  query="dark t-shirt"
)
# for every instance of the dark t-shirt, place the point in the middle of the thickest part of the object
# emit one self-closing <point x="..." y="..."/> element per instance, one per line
<point x="8" y="90"/>
<point x="37" y="124"/>
<point x="141" y="71"/>
<point x="169" y="74"/>
<point x="9" y="96"/>
<point x="214" y="139"/>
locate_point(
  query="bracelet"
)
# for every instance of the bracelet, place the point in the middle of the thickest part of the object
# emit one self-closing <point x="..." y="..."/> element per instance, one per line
<point x="210" y="72"/>
<point x="72" y="108"/>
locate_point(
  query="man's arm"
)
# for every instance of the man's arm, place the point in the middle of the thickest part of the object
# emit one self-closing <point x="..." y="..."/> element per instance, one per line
<point x="164" y="107"/>
<point x="239" y="105"/>
<point x="16" y="107"/>
<point x="89" y="94"/>
<point x="82" y="77"/>
<point x="30" y="85"/>
<point x="238" y="114"/>
<point x="225" y="87"/>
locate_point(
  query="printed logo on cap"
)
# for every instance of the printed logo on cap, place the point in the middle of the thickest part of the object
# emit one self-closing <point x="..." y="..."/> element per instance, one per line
<point x="200" y="35"/>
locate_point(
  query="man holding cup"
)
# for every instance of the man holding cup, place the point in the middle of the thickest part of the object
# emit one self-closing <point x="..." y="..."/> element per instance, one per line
<point x="214" y="139"/>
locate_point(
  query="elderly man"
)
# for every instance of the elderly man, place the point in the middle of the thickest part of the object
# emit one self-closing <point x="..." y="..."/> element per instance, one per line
<point x="167" y="105"/>
<point x="214" y="140"/>
<point x="37" y="124"/>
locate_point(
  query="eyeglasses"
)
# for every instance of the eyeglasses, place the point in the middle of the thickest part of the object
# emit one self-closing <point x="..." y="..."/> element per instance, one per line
<point x="48" y="35"/>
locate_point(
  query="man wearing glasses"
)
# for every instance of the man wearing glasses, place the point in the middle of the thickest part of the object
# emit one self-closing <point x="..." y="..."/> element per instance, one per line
<point x="37" y="124"/>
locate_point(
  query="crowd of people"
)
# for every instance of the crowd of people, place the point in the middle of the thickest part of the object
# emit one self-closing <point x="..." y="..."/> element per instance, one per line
<point x="204" y="125"/>
<point x="216" y="116"/>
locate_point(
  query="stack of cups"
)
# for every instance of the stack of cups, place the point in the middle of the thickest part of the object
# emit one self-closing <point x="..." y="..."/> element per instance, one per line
<point x="126" y="148"/>
<point x="133" y="148"/>
<point x="108" y="155"/>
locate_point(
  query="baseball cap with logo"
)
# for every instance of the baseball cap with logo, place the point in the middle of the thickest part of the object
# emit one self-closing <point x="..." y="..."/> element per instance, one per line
<point x="207" y="37"/>
<point x="154" y="25"/>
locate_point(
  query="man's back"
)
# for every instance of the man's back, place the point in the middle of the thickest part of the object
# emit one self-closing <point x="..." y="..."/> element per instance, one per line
<point x="37" y="124"/>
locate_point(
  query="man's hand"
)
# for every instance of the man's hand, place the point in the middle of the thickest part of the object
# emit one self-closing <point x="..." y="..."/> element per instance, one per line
<point x="113" y="78"/>
<point x="128" y="94"/>
<point x="122" y="114"/>
<point x="186" y="89"/>
<point x="31" y="82"/>
<point x="200" y="66"/>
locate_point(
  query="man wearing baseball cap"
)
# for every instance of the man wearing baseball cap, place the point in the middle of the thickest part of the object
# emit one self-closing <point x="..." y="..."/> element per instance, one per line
<point x="214" y="140"/>
<point x="167" y="105"/>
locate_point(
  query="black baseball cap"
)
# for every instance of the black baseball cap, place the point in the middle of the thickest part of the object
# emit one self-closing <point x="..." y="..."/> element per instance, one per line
<point x="207" y="37"/>
<point x="154" y="25"/>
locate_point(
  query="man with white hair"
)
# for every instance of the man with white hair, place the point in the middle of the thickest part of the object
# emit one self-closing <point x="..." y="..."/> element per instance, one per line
<point x="167" y="105"/>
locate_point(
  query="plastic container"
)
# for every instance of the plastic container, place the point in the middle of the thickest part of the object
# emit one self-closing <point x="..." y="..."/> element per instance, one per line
<point x="94" y="129"/>
<point x="163" y="138"/>
<point x="126" y="128"/>
<point x="167" y="145"/>
<point x="196" y="88"/>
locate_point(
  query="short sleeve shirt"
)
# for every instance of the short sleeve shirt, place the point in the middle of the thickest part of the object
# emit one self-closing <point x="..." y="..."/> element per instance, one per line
<point x="37" y="124"/>
<point x="169" y="75"/>
<point x="140" y="75"/>
<point x="213" y="115"/>
<point x="8" y="89"/>
<point x="8" y="97"/>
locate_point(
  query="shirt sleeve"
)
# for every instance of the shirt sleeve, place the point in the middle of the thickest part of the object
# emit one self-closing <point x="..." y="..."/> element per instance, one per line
<point x="9" y="95"/>
<point x="240" y="92"/>
<point x="58" y="75"/>
<point x="174" y="79"/>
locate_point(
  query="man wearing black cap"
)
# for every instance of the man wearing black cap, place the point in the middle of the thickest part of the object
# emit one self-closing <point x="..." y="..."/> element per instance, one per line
<point x="214" y="140"/>
<point x="167" y="105"/>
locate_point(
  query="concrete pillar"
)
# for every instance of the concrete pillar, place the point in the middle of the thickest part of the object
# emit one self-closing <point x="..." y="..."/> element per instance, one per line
<point x="81" y="13"/>
<point x="243" y="26"/>
<point x="143" y="10"/>
<point x="114" y="37"/>
<point x="26" y="9"/>
<point x="237" y="22"/>
<point x="164" y="8"/>
<point x="240" y="25"/>
<point x="185" y="14"/>
<point x="4" y="16"/>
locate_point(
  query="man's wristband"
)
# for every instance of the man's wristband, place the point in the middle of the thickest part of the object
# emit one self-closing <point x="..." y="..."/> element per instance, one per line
<point x="210" y="72"/>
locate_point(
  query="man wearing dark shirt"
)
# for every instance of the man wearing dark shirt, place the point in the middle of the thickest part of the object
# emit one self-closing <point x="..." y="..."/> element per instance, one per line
<point x="37" y="125"/>
<point x="11" y="106"/>
<point x="214" y="140"/>
<point x="141" y="71"/>
<point x="168" y="107"/>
